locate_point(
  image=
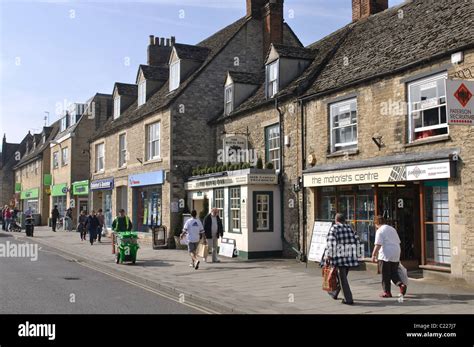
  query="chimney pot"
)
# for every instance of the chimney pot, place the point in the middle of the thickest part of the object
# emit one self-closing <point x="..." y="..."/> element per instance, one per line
<point x="168" y="42"/>
<point x="157" y="41"/>
<point x="173" y="40"/>
<point x="365" y="8"/>
<point x="152" y="39"/>
<point x="162" y="41"/>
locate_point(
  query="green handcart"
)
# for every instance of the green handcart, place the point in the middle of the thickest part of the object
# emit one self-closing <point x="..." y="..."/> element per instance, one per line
<point x="127" y="247"/>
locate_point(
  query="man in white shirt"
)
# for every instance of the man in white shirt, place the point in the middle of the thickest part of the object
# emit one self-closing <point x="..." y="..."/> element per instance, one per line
<point x="192" y="230"/>
<point x="387" y="252"/>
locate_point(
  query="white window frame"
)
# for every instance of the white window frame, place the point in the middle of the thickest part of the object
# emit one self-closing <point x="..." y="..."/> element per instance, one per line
<point x="229" y="99"/>
<point x="63" y="124"/>
<point x="153" y="138"/>
<point x="116" y="107"/>
<point x="273" y="80"/>
<point x="175" y="75"/>
<point x="64" y="162"/>
<point x="414" y="106"/>
<point x="219" y="201"/>
<point x="142" y="93"/>
<point x="235" y="209"/>
<point x="275" y="150"/>
<point x="336" y="147"/>
<point x="56" y="160"/>
<point x="122" y="150"/>
<point x="99" y="156"/>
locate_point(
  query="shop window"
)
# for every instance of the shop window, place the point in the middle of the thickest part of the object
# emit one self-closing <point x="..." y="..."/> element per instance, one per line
<point x="219" y="201"/>
<point x="99" y="157"/>
<point x="272" y="145"/>
<point x="234" y="205"/>
<point x="263" y="211"/>
<point x="427" y="107"/>
<point x="55" y="160"/>
<point x="343" y="123"/>
<point x="438" y="246"/>
<point x="153" y="141"/>
<point x="122" y="150"/>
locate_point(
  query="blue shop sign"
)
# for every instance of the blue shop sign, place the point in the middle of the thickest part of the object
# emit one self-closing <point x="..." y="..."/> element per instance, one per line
<point x="106" y="184"/>
<point x="146" y="179"/>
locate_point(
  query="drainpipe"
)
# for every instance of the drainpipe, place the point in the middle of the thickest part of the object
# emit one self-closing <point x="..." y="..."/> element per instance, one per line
<point x="280" y="174"/>
<point x="303" y="191"/>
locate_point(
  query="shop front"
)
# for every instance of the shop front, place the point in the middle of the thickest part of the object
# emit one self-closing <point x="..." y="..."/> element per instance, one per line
<point x="59" y="197"/>
<point x="412" y="196"/>
<point x="147" y="200"/>
<point x="80" y="191"/>
<point x="102" y="198"/>
<point x="248" y="202"/>
<point x="30" y="200"/>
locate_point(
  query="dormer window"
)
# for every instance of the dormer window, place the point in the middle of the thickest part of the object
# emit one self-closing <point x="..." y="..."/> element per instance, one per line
<point x="229" y="99"/>
<point x="44" y="138"/>
<point x="142" y="93"/>
<point x="63" y="123"/>
<point x="272" y="79"/>
<point x="175" y="74"/>
<point x="116" y="107"/>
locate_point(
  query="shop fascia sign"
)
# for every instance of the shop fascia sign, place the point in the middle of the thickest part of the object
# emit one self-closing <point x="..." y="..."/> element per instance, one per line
<point x="460" y="102"/>
<point x="105" y="184"/>
<point x="233" y="181"/>
<point x="146" y="179"/>
<point x="396" y="173"/>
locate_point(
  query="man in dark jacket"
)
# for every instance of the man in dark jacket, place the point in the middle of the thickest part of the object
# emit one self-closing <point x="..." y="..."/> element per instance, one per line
<point x="122" y="222"/>
<point x="54" y="217"/>
<point x="342" y="253"/>
<point x="92" y="224"/>
<point x="213" y="229"/>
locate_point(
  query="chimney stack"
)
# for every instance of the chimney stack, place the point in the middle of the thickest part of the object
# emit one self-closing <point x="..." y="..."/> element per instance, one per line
<point x="362" y="9"/>
<point x="159" y="50"/>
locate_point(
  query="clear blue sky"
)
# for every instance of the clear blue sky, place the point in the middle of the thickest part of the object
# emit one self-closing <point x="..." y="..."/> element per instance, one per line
<point x="57" y="52"/>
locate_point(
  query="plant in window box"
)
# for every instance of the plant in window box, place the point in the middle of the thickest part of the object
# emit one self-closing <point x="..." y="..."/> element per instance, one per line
<point x="259" y="163"/>
<point x="269" y="166"/>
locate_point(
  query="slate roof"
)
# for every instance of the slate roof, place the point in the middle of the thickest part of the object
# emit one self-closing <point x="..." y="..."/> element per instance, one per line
<point x="391" y="41"/>
<point x="155" y="73"/>
<point x="190" y="52"/>
<point x="163" y="98"/>
<point x="247" y="78"/>
<point x="292" y="52"/>
<point x="51" y="132"/>
<point x="126" y="89"/>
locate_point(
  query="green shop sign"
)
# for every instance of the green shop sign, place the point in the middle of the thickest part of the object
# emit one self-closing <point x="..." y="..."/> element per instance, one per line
<point x="30" y="194"/>
<point x="80" y="188"/>
<point x="17" y="187"/>
<point x="59" y="190"/>
<point x="47" y="180"/>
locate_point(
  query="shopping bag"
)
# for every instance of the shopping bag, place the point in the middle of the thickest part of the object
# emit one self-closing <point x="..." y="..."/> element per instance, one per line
<point x="202" y="250"/>
<point x="403" y="274"/>
<point x="329" y="278"/>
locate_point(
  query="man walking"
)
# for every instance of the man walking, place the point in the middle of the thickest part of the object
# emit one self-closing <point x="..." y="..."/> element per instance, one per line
<point x="92" y="224"/>
<point x="101" y="219"/>
<point x="192" y="230"/>
<point x="54" y="217"/>
<point x="341" y="252"/>
<point x="213" y="229"/>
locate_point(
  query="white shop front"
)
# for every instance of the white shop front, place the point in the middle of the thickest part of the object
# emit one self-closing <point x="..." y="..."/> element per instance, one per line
<point x="249" y="204"/>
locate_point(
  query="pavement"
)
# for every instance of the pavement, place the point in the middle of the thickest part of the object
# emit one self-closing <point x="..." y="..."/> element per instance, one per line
<point x="270" y="286"/>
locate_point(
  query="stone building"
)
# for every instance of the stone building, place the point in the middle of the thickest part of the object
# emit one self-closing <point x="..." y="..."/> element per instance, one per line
<point x="32" y="174"/>
<point x="159" y="132"/>
<point x="8" y="158"/>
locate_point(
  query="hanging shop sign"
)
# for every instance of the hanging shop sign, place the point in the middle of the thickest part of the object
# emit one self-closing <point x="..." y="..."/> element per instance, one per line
<point x="234" y="147"/>
<point x="105" y="184"/>
<point x="146" y="179"/>
<point x="396" y="173"/>
<point x="460" y="102"/>
<point x="80" y="188"/>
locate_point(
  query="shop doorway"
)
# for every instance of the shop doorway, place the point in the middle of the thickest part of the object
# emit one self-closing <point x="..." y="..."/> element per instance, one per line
<point x="399" y="205"/>
<point x="82" y="205"/>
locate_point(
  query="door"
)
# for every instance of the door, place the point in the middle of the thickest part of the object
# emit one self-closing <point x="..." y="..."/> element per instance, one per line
<point x="82" y="205"/>
<point x="398" y="204"/>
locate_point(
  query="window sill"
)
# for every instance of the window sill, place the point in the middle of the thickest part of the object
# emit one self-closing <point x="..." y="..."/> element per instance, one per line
<point x="122" y="168"/>
<point x="437" y="138"/>
<point x="99" y="172"/>
<point x="153" y="161"/>
<point x="343" y="153"/>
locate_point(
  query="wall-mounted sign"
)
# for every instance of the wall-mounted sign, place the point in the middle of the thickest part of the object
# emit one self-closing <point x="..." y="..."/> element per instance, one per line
<point x="397" y="173"/>
<point x="146" y="179"/>
<point x="59" y="189"/>
<point x="105" y="184"/>
<point x="80" y="188"/>
<point x="460" y="99"/>
<point x="29" y="194"/>
<point x="268" y="179"/>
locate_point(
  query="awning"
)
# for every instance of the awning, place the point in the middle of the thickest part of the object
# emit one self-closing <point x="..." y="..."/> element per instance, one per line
<point x="80" y="188"/>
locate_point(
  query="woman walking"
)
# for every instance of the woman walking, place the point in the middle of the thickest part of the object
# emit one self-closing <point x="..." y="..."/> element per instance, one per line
<point x="81" y="226"/>
<point x="387" y="252"/>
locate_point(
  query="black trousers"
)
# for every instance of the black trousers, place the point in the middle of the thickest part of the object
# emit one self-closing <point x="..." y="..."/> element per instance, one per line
<point x="343" y="283"/>
<point x="54" y="222"/>
<point x="389" y="273"/>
